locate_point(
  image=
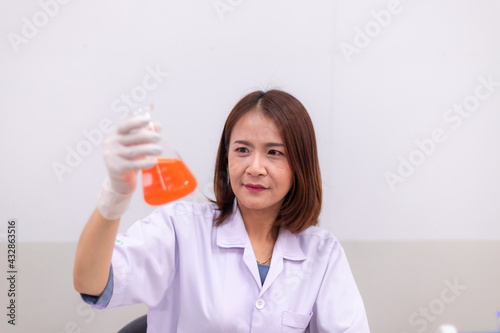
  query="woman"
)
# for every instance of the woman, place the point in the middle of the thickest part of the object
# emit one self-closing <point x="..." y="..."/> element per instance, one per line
<point x="250" y="261"/>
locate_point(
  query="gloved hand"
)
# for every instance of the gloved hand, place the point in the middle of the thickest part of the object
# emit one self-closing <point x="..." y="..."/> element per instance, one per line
<point x="125" y="153"/>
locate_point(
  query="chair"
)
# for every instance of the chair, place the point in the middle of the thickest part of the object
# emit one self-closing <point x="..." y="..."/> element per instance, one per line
<point x="139" y="325"/>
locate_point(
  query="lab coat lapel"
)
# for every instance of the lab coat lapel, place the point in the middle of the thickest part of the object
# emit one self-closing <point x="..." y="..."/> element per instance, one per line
<point x="232" y="233"/>
<point x="287" y="247"/>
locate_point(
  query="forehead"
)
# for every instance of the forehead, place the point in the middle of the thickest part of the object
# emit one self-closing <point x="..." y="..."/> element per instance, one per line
<point x="255" y="127"/>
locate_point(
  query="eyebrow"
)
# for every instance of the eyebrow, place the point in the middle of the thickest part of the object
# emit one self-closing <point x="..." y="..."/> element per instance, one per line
<point x="270" y="144"/>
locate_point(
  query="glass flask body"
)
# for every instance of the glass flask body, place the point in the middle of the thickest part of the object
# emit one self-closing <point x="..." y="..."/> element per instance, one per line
<point x="169" y="179"/>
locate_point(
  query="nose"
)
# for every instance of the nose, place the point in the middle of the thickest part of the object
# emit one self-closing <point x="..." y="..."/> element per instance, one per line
<point x="256" y="165"/>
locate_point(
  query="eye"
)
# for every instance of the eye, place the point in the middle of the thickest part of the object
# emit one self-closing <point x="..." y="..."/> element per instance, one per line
<point x="275" y="152"/>
<point x="241" y="150"/>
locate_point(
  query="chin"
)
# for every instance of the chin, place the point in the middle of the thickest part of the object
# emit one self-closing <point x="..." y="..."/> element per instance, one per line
<point x="260" y="204"/>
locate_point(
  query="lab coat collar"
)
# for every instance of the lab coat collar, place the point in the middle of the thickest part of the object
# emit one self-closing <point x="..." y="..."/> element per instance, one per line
<point x="232" y="233"/>
<point x="287" y="247"/>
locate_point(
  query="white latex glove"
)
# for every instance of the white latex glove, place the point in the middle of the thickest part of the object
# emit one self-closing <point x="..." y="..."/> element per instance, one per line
<point x="125" y="153"/>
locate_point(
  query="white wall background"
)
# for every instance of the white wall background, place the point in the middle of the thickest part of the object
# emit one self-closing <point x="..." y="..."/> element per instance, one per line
<point x="368" y="107"/>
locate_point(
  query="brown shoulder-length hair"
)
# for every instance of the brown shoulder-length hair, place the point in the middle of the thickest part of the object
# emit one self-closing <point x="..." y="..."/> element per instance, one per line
<point x="302" y="204"/>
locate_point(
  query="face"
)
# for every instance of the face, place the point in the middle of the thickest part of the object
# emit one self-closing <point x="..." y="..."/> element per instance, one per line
<point x="259" y="172"/>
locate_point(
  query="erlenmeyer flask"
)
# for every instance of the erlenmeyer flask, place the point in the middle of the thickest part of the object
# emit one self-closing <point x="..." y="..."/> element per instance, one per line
<point x="169" y="179"/>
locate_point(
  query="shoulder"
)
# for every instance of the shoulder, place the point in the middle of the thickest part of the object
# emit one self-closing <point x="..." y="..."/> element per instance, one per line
<point x="316" y="234"/>
<point x="176" y="218"/>
<point x="319" y="242"/>
<point x="179" y="208"/>
<point x="183" y="209"/>
<point x="179" y="211"/>
<point x="319" y="232"/>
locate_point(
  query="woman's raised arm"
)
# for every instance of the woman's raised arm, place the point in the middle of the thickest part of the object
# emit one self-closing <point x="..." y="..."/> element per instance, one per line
<point x="124" y="154"/>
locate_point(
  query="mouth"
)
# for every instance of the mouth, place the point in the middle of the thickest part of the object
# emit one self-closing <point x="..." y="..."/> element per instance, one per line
<point x="255" y="188"/>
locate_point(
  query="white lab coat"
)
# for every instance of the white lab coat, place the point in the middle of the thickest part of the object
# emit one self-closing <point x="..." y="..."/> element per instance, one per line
<point x="196" y="277"/>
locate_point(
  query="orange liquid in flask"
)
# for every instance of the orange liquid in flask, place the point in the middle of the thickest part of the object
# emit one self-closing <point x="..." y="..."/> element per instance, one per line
<point x="168" y="180"/>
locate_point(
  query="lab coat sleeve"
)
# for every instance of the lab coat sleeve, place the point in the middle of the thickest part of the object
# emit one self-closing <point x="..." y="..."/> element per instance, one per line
<point x="100" y="302"/>
<point x="145" y="260"/>
<point x="339" y="307"/>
